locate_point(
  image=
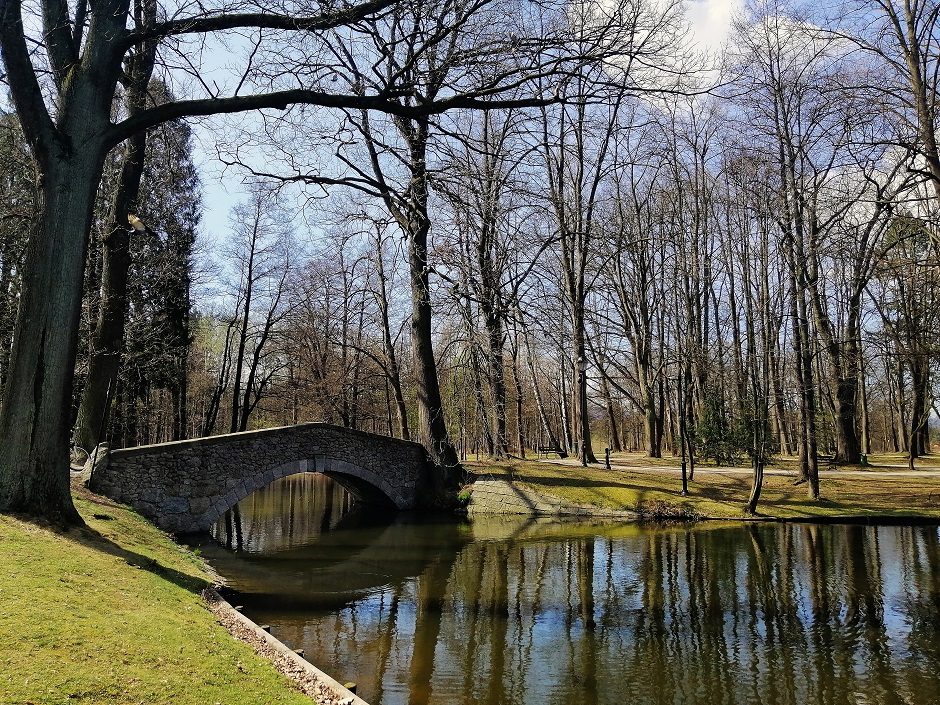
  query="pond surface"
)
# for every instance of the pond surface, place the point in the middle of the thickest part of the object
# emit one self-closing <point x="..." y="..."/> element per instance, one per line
<point x="420" y="610"/>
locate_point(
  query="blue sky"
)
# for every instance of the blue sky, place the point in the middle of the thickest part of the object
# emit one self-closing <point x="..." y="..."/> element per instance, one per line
<point x="709" y="22"/>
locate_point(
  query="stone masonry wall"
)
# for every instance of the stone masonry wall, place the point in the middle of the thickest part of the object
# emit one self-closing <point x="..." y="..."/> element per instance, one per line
<point x="186" y="486"/>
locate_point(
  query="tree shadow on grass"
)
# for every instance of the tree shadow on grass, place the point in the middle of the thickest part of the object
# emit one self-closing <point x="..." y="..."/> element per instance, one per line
<point x="731" y="490"/>
<point x="554" y="481"/>
<point x="90" y="538"/>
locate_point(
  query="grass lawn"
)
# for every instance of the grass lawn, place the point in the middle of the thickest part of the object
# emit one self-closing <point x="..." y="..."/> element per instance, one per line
<point x="724" y="495"/>
<point x="112" y="614"/>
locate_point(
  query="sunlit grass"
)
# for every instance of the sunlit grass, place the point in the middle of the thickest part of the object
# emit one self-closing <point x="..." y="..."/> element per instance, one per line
<point x="723" y="495"/>
<point x="876" y="461"/>
<point x="112" y="614"/>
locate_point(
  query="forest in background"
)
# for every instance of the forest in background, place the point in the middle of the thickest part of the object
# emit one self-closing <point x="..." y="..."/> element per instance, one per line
<point x="733" y="263"/>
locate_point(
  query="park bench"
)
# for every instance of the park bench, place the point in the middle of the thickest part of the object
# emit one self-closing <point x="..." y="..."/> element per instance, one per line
<point x="552" y="449"/>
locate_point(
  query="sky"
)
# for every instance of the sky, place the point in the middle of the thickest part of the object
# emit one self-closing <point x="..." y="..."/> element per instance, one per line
<point x="709" y="21"/>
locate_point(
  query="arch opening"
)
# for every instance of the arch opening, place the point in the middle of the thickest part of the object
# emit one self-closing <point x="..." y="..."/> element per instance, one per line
<point x="365" y="486"/>
<point x="286" y="514"/>
<point x="363" y="492"/>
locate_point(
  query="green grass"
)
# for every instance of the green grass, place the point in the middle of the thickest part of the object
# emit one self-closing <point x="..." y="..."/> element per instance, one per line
<point x="112" y="614"/>
<point x="714" y="495"/>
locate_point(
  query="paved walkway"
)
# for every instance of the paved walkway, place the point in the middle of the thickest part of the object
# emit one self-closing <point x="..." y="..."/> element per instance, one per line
<point x="722" y="470"/>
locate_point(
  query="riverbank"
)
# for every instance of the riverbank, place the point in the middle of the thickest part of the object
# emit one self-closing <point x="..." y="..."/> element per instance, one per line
<point x="720" y="493"/>
<point x="113" y="614"/>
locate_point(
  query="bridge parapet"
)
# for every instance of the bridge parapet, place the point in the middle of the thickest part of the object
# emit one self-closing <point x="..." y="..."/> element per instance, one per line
<point x="186" y="486"/>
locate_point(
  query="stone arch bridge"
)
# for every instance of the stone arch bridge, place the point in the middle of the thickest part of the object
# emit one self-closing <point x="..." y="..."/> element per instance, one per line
<point x="185" y="486"/>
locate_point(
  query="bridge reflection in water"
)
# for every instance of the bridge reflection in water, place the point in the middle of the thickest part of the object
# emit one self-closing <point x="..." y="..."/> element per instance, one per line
<point x="289" y="513"/>
<point x="421" y="610"/>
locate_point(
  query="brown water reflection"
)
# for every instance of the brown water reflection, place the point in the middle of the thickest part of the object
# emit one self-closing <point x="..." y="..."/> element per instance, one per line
<point x="418" y="610"/>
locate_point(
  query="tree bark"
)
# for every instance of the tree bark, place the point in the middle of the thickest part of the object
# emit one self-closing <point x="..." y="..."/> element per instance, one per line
<point x="920" y="407"/>
<point x="586" y="449"/>
<point x="393" y="373"/>
<point x="495" y="368"/>
<point x="108" y="338"/>
<point x="433" y="426"/>
<point x="614" y="431"/>
<point x="34" y="423"/>
<point x="536" y="392"/>
<point x="517" y="380"/>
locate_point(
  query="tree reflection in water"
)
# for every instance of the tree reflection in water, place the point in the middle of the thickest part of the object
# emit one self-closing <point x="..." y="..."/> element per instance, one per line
<point x="423" y="611"/>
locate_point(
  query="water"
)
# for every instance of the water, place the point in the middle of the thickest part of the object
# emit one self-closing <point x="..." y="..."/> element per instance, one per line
<point x="423" y="610"/>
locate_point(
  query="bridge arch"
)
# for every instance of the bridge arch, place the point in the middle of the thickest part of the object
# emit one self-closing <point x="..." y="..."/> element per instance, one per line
<point x="186" y="486"/>
<point x="364" y="484"/>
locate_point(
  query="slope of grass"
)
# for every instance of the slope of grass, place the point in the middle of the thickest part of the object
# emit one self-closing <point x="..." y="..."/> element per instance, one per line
<point x="724" y="495"/>
<point x="112" y="614"/>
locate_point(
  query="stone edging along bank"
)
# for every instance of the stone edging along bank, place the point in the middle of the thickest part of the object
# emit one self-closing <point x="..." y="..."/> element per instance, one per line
<point x="307" y="677"/>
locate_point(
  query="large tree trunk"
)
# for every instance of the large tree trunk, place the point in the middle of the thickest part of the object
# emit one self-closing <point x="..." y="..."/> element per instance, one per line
<point x="431" y="421"/>
<point x="34" y="423"/>
<point x="433" y="428"/>
<point x="918" y="443"/>
<point x="843" y="371"/>
<point x="586" y="448"/>
<point x="495" y="369"/>
<point x="108" y="338"/>
<point x="517" y="380"/>
<point x="536" y="392"/>
<point x="848" y="440"/>
<point x="393" y="372"/>
<point x="783" y="428"/>
<point x="612" y="421"/>
<point x="809" y="454"/>
<point x="651" y="423"/>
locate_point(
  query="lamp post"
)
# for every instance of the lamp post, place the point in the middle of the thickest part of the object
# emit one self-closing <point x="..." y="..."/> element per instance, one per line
<point x="583" y="407"/>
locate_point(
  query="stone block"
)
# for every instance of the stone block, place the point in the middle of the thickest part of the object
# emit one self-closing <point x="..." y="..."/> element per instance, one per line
<point x="198" y="505"/>
<point x="175" y="505"/>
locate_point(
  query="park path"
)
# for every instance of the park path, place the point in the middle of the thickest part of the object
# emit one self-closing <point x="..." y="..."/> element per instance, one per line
<point x="902" y="470"/>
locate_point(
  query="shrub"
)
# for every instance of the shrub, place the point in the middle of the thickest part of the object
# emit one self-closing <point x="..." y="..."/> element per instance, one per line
<point x="661" y="511"/>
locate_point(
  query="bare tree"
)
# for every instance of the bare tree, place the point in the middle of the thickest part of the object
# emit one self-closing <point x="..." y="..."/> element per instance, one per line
<point x="261" y="252"/>
<point x="63" y="93"/>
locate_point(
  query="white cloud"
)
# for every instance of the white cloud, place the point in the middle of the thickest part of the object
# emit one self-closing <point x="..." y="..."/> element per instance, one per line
<point x="710" y="22"/>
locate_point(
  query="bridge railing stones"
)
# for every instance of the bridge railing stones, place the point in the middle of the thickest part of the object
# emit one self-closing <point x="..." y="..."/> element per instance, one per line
<point x="185" y="486"/>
